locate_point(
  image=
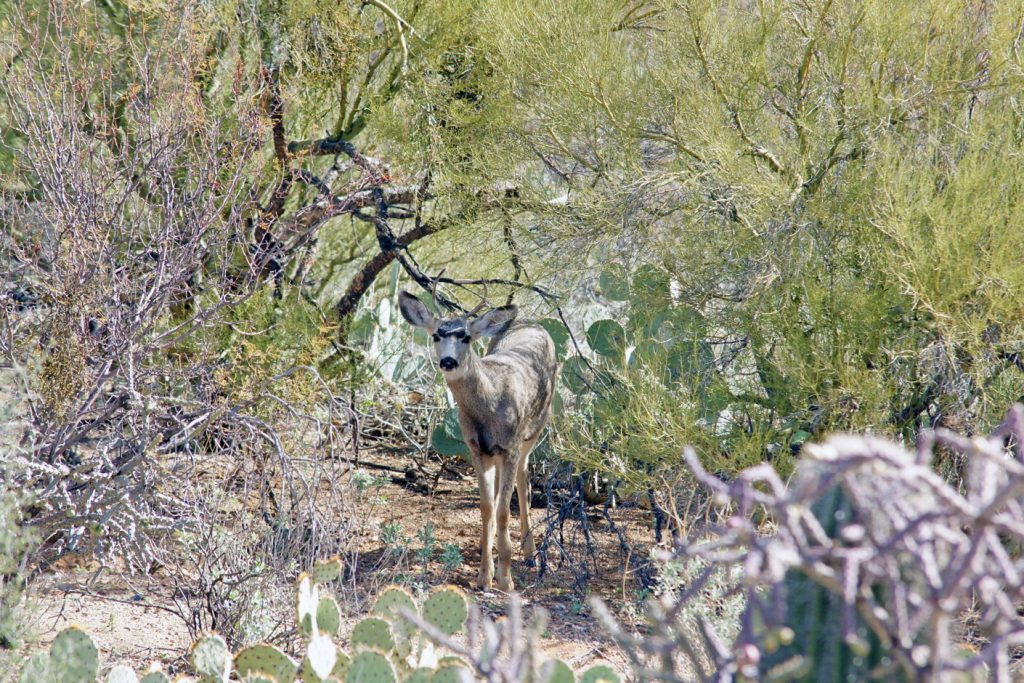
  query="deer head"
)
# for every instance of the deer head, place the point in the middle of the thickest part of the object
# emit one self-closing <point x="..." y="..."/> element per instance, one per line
<point x="452" y="336"/>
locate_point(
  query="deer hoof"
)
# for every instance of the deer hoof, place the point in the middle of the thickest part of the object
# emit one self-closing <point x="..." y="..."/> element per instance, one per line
<point x="505" y="584"/>
<point x="483" y="581"/>
<point x="529" y="548"/>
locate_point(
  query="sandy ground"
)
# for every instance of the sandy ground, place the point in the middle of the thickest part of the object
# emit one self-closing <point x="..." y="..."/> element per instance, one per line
<point x="131" y="623"/>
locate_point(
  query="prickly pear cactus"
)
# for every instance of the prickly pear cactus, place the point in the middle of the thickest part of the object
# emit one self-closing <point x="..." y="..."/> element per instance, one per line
<point x="388" y="647"/>
<point x="36" y="669"/>
<point x="373" y="634"/>
<point x="813" y="648"/>
<point x="600" y="674"/>
<point x="155" y="675"/>
<point x="121" y="674"/>
<point x="370" y="667"/>
<point x="389" y="606"/>
<point x="421" y="674"/>
<point x="268" y="661"/>
<point x="556" y="671"/>
<point x="328" y="616"/>
<point x="321" y="654"/>
<point x="446" y="609"/>
<point x="211" y="659"/>
<point x="73" y="657"/>
<point x="449" y="673"/>
<point x="307" y="600"/>
<point x="309" y="675"/>
<point x="390" y="601"/>
<point x="328" y="570"/>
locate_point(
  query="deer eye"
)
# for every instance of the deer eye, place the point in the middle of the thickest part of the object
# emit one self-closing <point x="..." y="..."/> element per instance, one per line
<point x="437" y="337"/>
<point x="466" y="339"/>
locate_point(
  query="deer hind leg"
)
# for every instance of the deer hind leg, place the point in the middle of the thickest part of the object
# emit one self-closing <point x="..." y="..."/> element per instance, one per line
<point x="508" y="480"/>
<point x="486" y="475"/>
<point x="523" y="489"/>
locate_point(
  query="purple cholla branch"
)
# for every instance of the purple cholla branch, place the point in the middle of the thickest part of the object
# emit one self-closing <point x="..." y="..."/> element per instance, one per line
<point x="914" y="554"/>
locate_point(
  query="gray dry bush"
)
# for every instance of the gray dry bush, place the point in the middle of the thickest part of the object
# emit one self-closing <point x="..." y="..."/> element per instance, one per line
<point x="136" y="322"/>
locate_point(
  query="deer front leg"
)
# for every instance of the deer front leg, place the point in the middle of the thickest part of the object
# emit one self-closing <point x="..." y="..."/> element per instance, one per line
<point x="486" y="475"/>
<point x="508" y="480"/>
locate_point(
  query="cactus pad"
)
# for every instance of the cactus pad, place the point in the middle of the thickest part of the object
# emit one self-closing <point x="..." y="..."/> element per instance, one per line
<point x="328" y="616"/>
<point x="121" y="674"/>
<point x="446" y="608"/>
<point x="421" y="674"/>
<point x="452" y="673"/>
<point x="556" y="671"/>
<point x="373" y="633"/>
<point x="211" y="659"/>
<point x="322" y="653"/>
<point x="451" y="660"/>
<point x="341" y="663"/>
<point x="391" y="600"/>
<point x="598" y="673"/>
<point x="328" y="570"/>
<point x="370" y="667"/>
<point x="37" y="668"/>
<point x="390" y="604"/>
<point x="306" y="601"/>
<point x="73" y="657"/>
<point x="266" y="660"/>
<point x="155" y="675"/>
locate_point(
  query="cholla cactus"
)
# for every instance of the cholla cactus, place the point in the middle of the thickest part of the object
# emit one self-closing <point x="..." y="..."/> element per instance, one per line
<point x="869" y="532"/>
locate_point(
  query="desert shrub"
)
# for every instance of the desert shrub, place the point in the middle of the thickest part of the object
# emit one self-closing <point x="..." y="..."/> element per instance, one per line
<point x="161" y="348"/>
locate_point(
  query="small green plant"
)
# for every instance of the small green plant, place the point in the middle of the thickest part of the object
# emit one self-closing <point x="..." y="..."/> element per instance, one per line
<point x="394" y="539"/>
<point x="365" y="481"/>
<point x="428" y="545"/>
<point x="450" y="557"/>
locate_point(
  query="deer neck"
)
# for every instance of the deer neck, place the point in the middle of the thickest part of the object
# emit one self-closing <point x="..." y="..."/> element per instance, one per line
<point x="471" y="387"/>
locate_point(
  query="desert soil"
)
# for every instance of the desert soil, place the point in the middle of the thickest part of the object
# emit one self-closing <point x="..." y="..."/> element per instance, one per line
<point x="128" y="616"/>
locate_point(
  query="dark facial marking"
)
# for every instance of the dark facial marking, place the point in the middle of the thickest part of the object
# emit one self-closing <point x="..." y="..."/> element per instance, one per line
<point x="452" y="328"/>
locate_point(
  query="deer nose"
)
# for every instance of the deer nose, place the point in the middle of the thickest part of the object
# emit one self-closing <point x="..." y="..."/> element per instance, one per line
<point x="449" y="363"/>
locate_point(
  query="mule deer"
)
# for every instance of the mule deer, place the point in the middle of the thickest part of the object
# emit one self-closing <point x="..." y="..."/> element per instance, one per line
<point x="504" y="401"/>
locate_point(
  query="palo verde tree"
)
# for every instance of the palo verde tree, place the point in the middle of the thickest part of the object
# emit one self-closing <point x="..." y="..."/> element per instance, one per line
<point x="826" y="196"/>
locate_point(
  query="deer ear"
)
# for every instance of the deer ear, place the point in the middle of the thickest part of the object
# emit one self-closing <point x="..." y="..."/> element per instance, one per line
<point x="493" y="322"/>
<point x="414" y="312"/>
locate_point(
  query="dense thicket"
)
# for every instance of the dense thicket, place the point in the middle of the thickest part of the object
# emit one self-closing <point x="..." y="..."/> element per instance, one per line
<point x="764" y="220"/>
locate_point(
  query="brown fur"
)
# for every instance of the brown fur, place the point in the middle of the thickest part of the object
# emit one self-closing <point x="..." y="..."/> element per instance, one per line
<point x="504" y="403"/>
